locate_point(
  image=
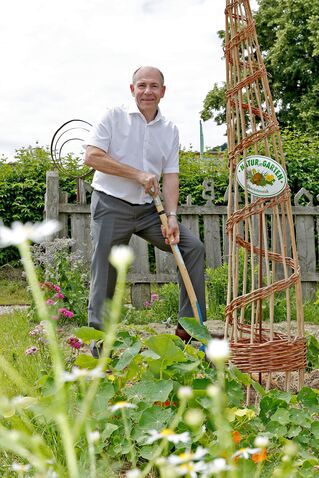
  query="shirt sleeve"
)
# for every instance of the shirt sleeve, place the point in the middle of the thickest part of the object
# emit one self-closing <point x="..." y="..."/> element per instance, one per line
<point x="101" y="133"/>
<point x="172" y="162"/>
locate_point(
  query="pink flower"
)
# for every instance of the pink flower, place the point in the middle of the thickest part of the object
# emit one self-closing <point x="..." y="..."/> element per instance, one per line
<point x="58" y="295"/>
<point x="74" y="342"/>
<point x="31" y="350"/>
<point x="57" y="288"/>
<point x="154" y="297"/>
<point x="67" y="313"/>
<point x="50" y="302"/>
<point x="147" y="304"/>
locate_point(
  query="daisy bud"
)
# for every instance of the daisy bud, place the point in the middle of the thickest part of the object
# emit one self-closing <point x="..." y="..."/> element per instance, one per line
<point x="194" y="417"/>
<point x="121" y="257"/>
<point x="185" y="393"/>
<point x="261" y="442"/>
<point x="218" y="350"/>
<point x="212" y="391"/>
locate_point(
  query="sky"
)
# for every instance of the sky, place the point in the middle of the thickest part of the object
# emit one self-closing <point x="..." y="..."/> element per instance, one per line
<point x="66" y="59"/>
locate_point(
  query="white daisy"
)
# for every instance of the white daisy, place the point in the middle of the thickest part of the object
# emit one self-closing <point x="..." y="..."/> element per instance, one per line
<point x="168" y="435"/>
<point x="190" y="469"/>
<point x="187" y="456"/>
<point x="246" y="452"/>
<point x="77" y="373"/>
<point x="120" y="405"/>
<point x="19" y="467"/>
<point x="216" y="467"/>
<point x="19" y="233"/>
<point x="133" y="473"/>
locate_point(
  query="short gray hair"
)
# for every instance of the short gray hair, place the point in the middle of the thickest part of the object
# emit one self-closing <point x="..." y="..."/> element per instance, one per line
<point x="153" y="67"/>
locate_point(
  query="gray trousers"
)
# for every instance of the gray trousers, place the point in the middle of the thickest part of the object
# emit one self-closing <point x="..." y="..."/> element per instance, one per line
<point x="113" y="221"/>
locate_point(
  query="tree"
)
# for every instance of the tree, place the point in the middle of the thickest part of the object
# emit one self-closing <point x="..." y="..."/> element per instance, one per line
<point x="288" y="34"/>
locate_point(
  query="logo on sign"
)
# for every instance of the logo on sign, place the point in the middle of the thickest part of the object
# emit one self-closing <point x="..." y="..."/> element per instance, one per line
<point x="264" y="176"/>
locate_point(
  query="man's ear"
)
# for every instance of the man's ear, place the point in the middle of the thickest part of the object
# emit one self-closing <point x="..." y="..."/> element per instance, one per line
<point x="163" y="91"/>
<point x="132" y="89"/>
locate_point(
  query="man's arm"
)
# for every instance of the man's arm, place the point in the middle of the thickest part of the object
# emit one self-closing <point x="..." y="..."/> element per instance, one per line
<point x="101" y="161"/>
<point x="171" y="194"/>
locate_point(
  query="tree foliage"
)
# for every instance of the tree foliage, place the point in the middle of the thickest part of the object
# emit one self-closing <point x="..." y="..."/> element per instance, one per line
<point x="288" y="34"/>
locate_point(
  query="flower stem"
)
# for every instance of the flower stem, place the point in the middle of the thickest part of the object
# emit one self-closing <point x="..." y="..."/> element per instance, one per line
<point x="128" y="437"/>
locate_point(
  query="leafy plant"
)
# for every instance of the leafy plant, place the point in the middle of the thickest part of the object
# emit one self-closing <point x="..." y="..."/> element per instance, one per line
<point x="57" y="264"/>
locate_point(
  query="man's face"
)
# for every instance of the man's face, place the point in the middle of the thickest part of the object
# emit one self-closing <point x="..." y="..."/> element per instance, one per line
<point x="147" y="90"/>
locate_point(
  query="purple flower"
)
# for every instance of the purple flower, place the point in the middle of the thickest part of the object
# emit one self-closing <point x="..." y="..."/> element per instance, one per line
<point x="31" y="350"/>
<point x="147" y="304"/>
<point x="154" y="297"/>
<point x="67" y="313"/>
<point x="57" y="288"/>
<point x="38" y="330"/>
<point x="75" y="343"/>
<point x="50" y="301"/>
<point x="58" y="295"/>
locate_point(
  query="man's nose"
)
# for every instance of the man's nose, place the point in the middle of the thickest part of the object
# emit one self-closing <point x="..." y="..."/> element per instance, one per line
<point x="148" y="89"/>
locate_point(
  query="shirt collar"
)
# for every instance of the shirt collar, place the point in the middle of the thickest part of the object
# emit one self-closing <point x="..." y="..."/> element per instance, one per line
<point x="133" y="109"/>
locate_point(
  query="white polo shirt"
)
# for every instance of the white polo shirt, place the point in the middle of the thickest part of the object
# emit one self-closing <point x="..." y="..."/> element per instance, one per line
<point x="125" y="135"/>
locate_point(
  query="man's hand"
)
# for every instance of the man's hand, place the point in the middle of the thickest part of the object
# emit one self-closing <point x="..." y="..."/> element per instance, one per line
<point x="149" y="182"/>
<point x="172" y="233"/>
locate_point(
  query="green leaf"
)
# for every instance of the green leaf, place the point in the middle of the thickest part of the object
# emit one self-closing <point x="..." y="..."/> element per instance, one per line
<point x="85" y="361"/>
<point x="245" y="379"/>
<point x="150" y="391"/>
<point x="196" y="330"/>
<point x="300" y="417"/>
<point x="102" y="397"/>
<point x="146" y="452"/>
<point x="127" y="356"/>
<point x="185" y="367"/>
<point x="309" y="398"/>
<point x="108" y="429"/>
<point x="315" y="429"/>
<point x="153" y="418"/>
<point x="88" y="333"/>
<point x="281" y="416"/>
<point x="165" y="346"/>
<point x="276" y="429"/>
<point x="294" y="431"/>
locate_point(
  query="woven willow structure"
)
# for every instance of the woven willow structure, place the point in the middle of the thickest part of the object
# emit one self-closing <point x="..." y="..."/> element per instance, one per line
<point x="263" y="263"/>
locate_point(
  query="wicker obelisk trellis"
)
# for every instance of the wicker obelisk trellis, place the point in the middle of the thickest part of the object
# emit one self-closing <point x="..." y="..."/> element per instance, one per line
<point x="263" y="259"/>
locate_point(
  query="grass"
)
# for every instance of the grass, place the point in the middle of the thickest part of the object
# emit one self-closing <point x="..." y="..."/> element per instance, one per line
<point x="14" y="340"/>
<point x="13" y="287"/>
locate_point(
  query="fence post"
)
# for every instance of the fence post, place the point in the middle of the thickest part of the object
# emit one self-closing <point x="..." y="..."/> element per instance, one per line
<point x="51" y="203"/>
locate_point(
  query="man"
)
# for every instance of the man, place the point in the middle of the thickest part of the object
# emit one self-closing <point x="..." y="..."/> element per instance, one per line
<point x="130" y="149"/>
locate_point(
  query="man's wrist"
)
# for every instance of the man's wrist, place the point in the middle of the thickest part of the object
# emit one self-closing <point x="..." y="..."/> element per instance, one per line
<point x="171" y="213"/>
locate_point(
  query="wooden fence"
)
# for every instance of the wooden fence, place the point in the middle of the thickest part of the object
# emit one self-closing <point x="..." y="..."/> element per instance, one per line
<point x="207" y="221"/>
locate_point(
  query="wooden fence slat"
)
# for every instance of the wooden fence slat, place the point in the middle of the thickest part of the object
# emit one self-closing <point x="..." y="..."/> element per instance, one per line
<point x="305" y="237"/>
<point x="63" y="218"/>
<point x="212" y="241"/>
<point x="192" y="223"/>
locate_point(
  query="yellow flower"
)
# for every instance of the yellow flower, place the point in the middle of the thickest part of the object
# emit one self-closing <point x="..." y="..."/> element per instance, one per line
<point x="269" y="177"/>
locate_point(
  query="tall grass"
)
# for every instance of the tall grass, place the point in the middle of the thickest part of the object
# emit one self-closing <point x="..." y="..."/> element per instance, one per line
<point x="14" y="340"/>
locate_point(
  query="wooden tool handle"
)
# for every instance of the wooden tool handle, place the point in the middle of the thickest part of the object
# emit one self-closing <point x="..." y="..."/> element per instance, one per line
<point x="180" y="264"/>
